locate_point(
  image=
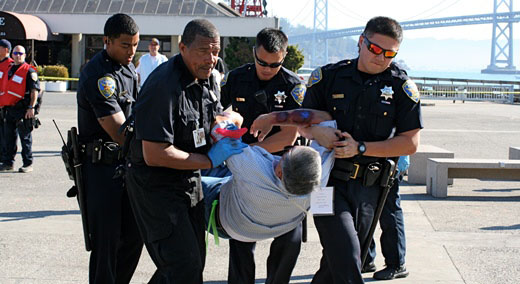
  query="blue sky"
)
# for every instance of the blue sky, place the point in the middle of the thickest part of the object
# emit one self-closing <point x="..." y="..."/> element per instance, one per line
<point x="461" y="49"/>
<point x="346" y="14"/>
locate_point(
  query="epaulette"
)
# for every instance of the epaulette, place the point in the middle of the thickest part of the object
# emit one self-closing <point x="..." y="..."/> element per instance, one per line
<point x="242" y="69"/>
<point x="291" y="76"/>
<point x="338" y="65"/>
<point x="398" y="72"/>
<point x="317" y="74"/>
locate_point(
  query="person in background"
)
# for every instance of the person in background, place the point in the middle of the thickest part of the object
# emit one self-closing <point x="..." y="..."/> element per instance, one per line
<point x="21" y="87"/>
<point x="148" y="62"/>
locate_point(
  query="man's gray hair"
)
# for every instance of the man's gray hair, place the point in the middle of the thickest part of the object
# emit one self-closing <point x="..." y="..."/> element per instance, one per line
<point x="301" y="170"/>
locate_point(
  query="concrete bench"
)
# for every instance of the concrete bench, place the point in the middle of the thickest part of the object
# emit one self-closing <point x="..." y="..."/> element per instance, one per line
<point x="514" y="153"/>
<point x="439" y="170"/>
<point x="418" y="161"/>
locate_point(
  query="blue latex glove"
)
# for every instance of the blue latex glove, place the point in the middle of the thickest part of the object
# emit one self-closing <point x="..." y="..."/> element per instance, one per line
<point x="223" y="149"/>
<point x="403" y="164"/>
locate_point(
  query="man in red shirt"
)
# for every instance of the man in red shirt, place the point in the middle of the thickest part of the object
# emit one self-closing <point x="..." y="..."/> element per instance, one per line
<point x="18" y="102"/>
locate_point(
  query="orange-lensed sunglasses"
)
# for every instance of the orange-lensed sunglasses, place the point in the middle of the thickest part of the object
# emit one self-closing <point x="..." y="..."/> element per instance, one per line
<point x="376" y="49"/>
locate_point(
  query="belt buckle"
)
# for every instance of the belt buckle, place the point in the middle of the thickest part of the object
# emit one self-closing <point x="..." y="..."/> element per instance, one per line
<point x="354" y="175"/>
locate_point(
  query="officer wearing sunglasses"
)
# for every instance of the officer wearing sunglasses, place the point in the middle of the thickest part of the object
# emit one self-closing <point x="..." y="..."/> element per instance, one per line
<point x="18" y="96"/>
<point x="377" y="108"/>
<point x="251" y="90"/>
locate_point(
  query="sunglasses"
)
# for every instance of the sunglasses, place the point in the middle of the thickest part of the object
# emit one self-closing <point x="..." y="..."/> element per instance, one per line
<point x="18" y="53"/>
<point x="376" y="49"/>
<point x="265" y="64"/>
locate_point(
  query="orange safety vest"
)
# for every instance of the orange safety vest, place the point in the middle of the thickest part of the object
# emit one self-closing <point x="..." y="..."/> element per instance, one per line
<point x="4" y="67"/>
<point x="15" y="89"/>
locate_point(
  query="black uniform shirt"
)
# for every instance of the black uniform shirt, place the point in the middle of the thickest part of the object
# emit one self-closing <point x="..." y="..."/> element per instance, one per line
<point x="368" y="109"/>
<point x="248" y="96"/>
<point x="173" y="104"/>
<point x="105" y="88"/>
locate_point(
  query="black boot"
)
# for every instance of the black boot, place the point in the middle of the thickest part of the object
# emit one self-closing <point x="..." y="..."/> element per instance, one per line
<point x="391" y="272"/>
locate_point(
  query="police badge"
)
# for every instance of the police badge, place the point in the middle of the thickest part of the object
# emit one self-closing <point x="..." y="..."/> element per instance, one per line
<point x="315" y="77"/>
<point x="106" y="86"/>
<point x="298" y="93"/>
<point x="387" y="92"/>
<point x="411" y="91"/>
<point x="280" y="97"/>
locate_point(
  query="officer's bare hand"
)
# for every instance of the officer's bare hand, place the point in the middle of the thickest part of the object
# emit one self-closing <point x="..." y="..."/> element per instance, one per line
<point x="261" y="127"/>
<point x="29" y="113"/>
<point x="325" y="136"/>
<point x="346" y="148"/>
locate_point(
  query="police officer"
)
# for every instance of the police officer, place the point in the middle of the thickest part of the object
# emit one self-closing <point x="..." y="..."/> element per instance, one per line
<point x="21" y="89"/>
<point x="173" y="117"/>
<point x="252" y="90"/>
<point x="107" y="88"/>
<point x="377" y="109"/>
<point x="5" y="64"/>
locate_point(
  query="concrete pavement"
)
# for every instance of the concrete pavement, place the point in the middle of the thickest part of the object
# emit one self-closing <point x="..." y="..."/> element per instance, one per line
<point x="473" y="236"/>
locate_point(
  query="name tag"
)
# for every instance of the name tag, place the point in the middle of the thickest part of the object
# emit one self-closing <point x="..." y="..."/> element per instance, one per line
<point x="322" y="201"/>
<point x="1" y="74"/>
<point x="199" y="138"/>
<point x="17" y="79"/>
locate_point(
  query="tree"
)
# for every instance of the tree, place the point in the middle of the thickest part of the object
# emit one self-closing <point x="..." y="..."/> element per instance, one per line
<point x="239" y="51"/>
<point x="294" y="59"/>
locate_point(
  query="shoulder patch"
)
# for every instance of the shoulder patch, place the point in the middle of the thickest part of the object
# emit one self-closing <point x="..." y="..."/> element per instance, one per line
<point x="34" y="76"/>
<point x="224" y="80"/>
<point x="411" y="90"/>
<point x="106" y="86"/>
<point x="315" y="77"/>
<point x="298" y="93"/>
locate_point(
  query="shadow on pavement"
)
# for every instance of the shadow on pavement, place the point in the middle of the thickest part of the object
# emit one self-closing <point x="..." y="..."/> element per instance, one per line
<point x="502" y="228"/>
<point x="16" y="216"/>
<point x="426" y="197"/>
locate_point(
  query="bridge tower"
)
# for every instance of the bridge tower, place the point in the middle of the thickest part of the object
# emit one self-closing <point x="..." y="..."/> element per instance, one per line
<point x="320" y="48"/>
<point x="502" y="41"/>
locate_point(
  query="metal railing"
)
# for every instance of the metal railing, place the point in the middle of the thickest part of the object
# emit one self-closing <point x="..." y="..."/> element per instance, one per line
<point x="468" y="89"/>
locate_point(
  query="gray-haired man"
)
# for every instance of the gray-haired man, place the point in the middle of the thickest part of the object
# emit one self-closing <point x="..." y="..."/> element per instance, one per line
<point x="267" y="195"/>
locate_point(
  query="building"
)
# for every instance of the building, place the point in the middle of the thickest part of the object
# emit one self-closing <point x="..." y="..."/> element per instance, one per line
<point x="72" y="30"/>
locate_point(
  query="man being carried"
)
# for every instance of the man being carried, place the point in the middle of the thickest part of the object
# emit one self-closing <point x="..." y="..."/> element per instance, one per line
<point x="267" y="195"/>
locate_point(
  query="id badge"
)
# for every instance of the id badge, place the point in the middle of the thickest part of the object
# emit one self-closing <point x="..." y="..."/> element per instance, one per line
<point x="199" y="138"/>
<point x="322" y="201"/>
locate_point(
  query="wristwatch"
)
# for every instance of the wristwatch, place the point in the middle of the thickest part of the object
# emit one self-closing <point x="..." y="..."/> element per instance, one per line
<point x="30" y="107"/>
<point x="362" y="148"/>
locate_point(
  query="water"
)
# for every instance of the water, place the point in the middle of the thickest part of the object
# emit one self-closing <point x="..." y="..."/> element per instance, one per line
<point x="464" y="75"/>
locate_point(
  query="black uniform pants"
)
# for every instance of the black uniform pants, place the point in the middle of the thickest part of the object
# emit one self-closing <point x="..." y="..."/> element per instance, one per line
<point x="179" y="251"/>
<point x="11" y="128"/>
<point x="116" y="243"/>
<point x="393" y="240"/>
<point x="343" y="234"/>
<point x="280" y="263"/>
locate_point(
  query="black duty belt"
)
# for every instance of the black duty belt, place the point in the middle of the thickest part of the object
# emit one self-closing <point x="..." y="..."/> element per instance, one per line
<point x="102" y="152"/>
<point x="345" y="170"/>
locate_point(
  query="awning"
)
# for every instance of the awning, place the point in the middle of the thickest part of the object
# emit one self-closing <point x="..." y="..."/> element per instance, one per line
<point x="24" y="27"/>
